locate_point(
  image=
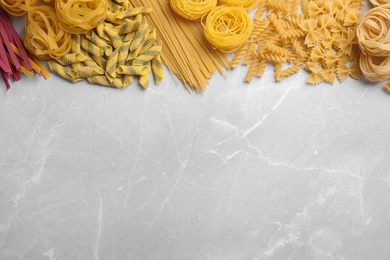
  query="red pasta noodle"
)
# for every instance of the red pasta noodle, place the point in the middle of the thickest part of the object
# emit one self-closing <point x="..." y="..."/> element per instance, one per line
<point x="14" y="59"/>
<point x="15" y="39"/>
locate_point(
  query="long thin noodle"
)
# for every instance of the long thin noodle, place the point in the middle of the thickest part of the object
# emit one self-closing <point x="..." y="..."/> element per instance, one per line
<point x="186" y="53"/>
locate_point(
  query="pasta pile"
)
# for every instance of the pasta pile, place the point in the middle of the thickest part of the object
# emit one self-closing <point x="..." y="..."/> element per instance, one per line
<point x="322" y="38"/>
<point x="78" y="17"/>
<point x="193" y="9"/>
<point x="246" y="4"/>
<point x="44" y="37"/>
<point x="14" y="59"/>
<point x="17" y="7"/>
<point x="373" y="36"/>
<point x="121" y="47"/>
<point x="228" y="27"/>
<point x="186" y="52"/>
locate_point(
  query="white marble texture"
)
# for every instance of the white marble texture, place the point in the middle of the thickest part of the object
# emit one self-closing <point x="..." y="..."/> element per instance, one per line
<point x="260" y="171"/>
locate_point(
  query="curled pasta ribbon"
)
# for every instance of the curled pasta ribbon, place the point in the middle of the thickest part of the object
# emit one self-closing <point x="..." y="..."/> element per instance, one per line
<point x="44" y="37"/>
<point x="373" y="39"/>
<point x="373" y="31"/>
<point x="379" y="2"/>
<point x="17" y="7"/>
<point x="227" y="28"/>
<point x="79" y="17"/>
<point x="193" y="9"/>
<point x="375" y="69"/>
<point x="246" y="4"/>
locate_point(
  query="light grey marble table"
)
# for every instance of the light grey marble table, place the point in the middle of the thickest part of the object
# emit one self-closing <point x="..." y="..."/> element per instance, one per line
<point x="259" y="171"/>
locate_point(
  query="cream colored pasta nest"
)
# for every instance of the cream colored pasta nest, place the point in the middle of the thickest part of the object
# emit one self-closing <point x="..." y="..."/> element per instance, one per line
<point x="246" y="4"/>
<point x="193" y="10"/>
<point x="227" y="28"/>
<point x="379" y="2"/>
<point x="374" y="41"/>
<point x="79" y="17"/>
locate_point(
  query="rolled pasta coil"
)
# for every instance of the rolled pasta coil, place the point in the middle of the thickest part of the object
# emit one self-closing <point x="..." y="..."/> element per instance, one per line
<point x="44" y="37"/>
<point x="227" y="28"/>
<point x="78" y="17"/>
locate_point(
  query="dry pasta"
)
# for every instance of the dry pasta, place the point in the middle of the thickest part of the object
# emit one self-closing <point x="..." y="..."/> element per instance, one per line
<point x="185" y="51"/>
<point x="193" y="10"/>
<point x="322" y="38"/>
<point x="44" y="37"/>
<point x="78" y="17"/>
<point x="103" y="54"/>
<point x="227" y="28"/>
<point x="144" y="79"/>
<point x="372" y="34"/>
<point x="247" y="4"/>
<point x="17" y="7"/>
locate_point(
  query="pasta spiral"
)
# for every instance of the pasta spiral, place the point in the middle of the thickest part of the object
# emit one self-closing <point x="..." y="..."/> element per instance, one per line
<point x="193" y="9"/>
<point x="246" y="4"/>
<point x="44" y="37"/>
<point x="79" y="17"/>
<point x="373" y="39"/>
<point x="17" y="7"/>
<point x="227" y="28"/>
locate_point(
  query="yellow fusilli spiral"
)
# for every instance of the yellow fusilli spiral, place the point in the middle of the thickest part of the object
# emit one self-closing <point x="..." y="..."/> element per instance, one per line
<point x="79" y="17"/>
<point x="227" y="28"/>
<point x="44" y="37"/>
<point x="246" y="4"/>
<point x="17" y="7"/>
<point x="193" y="9"/>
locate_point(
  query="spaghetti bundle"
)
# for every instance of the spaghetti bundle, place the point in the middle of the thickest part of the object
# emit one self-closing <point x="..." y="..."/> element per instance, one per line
<point x="78" y="17"/>
<point x="372" y="34"/>
<point x="246" y="4"/>
<point x="44" y="37"/>
<point x="186" y="53"/>
<point x="228" y="27"/>
<point x="17" y="7"/>
<point x="193" y="9"/>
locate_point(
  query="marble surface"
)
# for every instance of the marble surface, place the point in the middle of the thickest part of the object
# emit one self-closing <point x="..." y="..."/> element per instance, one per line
<point x="260" y="171"/>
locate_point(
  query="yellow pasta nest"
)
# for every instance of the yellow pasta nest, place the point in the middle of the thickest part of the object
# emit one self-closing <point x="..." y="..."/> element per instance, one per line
<point x="17" y="7"/>
<point x="246" y="4"/>
<point x="44" y="37"/>
<point x="193" y="9"/>
<point x="227" y="28"/>
<point x="372" y="34"/>
<point x="78" y="17"/>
